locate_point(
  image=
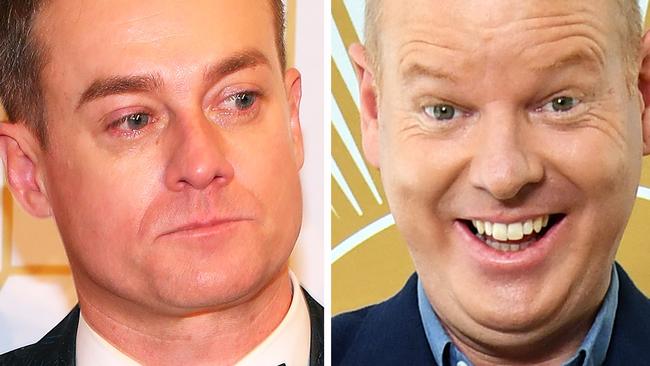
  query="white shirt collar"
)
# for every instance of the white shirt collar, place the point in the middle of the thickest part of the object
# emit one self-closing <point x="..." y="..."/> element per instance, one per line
<point x="92" y="349"/>
<point x="289" y="343"/>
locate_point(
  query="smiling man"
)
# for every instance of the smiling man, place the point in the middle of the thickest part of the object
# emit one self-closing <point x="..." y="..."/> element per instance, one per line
<point x="164" y="138"/>
<point x="509" y="135"/>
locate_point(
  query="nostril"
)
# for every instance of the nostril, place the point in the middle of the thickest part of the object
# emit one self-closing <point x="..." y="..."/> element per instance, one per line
<point x="199" y="170"/>
<point x="503" y="167"/>
<point x="201" y="154"/>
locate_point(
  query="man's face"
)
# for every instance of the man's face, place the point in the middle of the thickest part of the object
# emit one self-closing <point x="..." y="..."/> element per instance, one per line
<point x="509" y="113"/>
<point x="174" y="148"/>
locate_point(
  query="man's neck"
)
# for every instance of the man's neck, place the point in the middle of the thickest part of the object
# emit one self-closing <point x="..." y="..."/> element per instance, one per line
<point x="219" y="337"/>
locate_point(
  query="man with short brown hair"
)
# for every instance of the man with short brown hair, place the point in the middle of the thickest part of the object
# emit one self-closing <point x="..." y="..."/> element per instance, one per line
<point x="509" y="136"/>
<point x="164" y="138"/>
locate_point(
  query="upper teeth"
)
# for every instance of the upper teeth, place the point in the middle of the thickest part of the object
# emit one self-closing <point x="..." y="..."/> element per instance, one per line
<point x="512" y="231"/>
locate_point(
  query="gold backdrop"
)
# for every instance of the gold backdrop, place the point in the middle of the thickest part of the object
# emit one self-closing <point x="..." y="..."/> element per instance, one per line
<point x="369" y="258"/>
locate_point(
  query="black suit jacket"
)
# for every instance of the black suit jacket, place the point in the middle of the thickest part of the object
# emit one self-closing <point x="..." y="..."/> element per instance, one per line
<point x="57" y="348"/>
<point x="391" y="333"/>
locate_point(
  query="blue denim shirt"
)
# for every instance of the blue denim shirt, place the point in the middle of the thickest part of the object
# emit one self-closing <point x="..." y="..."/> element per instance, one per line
<point x="592" y="351"/>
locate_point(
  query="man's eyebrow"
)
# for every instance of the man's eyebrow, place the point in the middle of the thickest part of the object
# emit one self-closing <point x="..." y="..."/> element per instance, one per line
<point x="416" y="71"/>
<point x="119" y="85"/>
<point x="142" y="83"/>
<point x="241" y="60"/>
<point x="575" y="58"/>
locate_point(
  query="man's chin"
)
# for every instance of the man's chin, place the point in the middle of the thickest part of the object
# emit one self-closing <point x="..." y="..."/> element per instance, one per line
<point x="504" y="325"/>
<point x="512" y="307"/>
<point x="210" y="289"/>
<point x="511" y="318"/>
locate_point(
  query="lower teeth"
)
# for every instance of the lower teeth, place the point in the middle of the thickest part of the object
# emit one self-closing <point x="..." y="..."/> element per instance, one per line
<point x="504" y="247"/>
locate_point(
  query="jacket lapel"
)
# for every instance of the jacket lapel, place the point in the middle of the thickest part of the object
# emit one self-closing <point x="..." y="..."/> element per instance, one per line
<point x="316" y="321"/>
<point x="392" y="333"/>
<point x="630" y="340"/>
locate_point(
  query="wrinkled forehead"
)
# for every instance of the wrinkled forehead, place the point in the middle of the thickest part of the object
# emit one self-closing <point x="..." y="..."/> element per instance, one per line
<point x="488" y="14"/>
<point x="476" y="24"/>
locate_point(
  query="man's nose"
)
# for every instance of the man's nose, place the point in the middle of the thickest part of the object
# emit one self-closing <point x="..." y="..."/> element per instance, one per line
<point x="503" y="161"/>
<point x="198" y="156"/>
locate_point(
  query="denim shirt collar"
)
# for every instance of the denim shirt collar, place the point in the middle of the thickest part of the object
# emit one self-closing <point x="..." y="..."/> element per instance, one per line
<point x="592" y="351"/>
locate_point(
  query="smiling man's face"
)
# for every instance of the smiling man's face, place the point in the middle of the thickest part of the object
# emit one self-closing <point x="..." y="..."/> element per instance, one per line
<point x="174" y="148"/>
<point x="510" y="150"/>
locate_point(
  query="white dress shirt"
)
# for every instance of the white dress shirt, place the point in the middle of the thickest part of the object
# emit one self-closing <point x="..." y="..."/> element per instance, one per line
<point x="289" y="343"/>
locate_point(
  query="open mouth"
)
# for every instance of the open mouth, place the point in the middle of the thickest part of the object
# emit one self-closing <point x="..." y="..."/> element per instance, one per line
<point x="515" y="236"/>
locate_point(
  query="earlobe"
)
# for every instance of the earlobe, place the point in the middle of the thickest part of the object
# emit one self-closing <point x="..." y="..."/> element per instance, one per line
<point x="367" y="103"/>
<point x="293" y="87"/>
<point x="18" y="150"/>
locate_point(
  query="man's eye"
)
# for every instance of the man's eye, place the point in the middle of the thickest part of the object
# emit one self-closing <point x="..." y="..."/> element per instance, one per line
<point x="242" y="101"/>
<point x="560" y="104"/>
<point x="441" y="112"/>
<point x="132" y="122"/>
<point x="137" y="121"/>
<point x="236" y="107"/>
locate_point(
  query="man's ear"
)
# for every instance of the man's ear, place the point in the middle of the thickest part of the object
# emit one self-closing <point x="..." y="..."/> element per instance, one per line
<point x="293" y="88"/>
<point x="19" y="151"/>
<point x="644" y="88"/>
<point x="367" y="102"/>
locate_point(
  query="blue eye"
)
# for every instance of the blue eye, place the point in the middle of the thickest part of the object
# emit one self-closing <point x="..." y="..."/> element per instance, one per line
<point x="136" y="121"/>
<point x="441" y="112"/>
<point x="133" y="122"/>
<point x="236" y="106"/>
<point x="561" y="104"/>
<point x="243" y="100"/>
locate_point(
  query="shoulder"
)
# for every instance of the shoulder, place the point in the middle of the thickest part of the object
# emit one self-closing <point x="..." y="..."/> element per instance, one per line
<point x="345" y="328"/>
<point x="56" y="348"/>
<point x="631" y="334"/>
<point x="387" y="333"/>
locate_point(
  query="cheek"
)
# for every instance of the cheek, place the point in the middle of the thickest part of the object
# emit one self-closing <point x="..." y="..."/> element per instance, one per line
<point x="604" y="167"/>
<point x="266" y="168"/>
<point x="418" y="169"/>
<point x="91" y="206"/>
<point x="603" y="171"/>
<point x="418" y="173"/>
